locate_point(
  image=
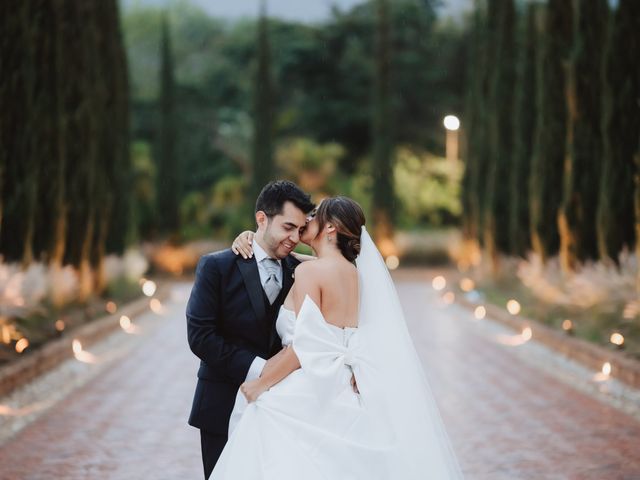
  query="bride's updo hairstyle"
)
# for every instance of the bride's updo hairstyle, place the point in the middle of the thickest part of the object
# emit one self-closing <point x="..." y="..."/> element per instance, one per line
<point x="348" y="218"/>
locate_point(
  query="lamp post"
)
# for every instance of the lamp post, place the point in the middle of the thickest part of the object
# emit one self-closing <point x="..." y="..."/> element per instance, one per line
<point x="452" y="124"/>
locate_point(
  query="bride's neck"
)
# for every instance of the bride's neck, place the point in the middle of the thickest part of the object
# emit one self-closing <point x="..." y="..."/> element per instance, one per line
<point x="327" y="250"/>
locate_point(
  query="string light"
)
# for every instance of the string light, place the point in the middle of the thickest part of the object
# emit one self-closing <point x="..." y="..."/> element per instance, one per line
<point x="6" y="334"/>
<point x="513" y="307"/>
<point x="125" y="322"/>
<point x="393" y="262"/>
<point x="149" y="288"/>
<point x="449" y="298"/>
<point x="466" y="284"/>
<point x="617" y="339"/>
<point x="480" y="312"/>
<point x="21" y="345"/>
<point x="439" y="283"/>
<point x="156" y="306"/>
<point x="111" y="307"/>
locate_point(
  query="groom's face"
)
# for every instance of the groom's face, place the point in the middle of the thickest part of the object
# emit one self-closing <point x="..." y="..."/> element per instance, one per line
<point x="281" y="233"/>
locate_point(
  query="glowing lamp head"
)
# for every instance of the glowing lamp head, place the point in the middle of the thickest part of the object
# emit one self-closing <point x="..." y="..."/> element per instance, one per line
<point x="451" y="122"/>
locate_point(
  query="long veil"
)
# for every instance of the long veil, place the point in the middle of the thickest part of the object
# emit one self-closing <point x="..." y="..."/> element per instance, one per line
<point x="421" y="448"/>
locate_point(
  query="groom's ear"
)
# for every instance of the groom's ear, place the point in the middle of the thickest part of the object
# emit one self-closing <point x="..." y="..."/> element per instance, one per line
<point x="261" y="218"/>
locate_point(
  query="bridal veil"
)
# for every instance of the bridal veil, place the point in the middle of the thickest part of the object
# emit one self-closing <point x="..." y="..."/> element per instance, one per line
<point x="402" y="399"/>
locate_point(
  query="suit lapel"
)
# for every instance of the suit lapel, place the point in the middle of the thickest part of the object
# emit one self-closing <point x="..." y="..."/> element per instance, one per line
<point x="251" y="278"/>
<point x="287" y="274"/>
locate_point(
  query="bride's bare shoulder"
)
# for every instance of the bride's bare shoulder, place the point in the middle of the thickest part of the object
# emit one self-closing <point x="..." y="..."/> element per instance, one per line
<point x="307" y="282"/>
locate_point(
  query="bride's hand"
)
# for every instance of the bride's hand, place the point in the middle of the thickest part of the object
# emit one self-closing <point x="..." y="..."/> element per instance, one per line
<point x="272" y="362"/>
<point x="253" y="389"/>
<point x="354" y="385"/>
<point x="243" y="244"/>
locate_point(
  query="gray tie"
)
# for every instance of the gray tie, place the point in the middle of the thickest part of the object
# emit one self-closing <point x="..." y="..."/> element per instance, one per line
<point x="271" y="286"/>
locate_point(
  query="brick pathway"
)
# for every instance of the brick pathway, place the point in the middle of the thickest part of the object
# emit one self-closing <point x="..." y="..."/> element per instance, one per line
<point x="507" y="419"/>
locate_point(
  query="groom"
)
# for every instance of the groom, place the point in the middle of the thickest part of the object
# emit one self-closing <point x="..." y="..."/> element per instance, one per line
<point x="232" y="312"/>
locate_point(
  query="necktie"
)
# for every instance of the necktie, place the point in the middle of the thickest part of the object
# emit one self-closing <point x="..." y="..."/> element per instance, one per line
<point x="271" y="286"/>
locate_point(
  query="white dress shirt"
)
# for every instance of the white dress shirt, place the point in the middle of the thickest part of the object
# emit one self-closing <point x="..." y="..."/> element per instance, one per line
<point x="259" y="254"/>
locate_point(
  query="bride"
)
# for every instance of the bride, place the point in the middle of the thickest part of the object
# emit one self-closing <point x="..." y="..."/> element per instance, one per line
<point x="347" y="398"/>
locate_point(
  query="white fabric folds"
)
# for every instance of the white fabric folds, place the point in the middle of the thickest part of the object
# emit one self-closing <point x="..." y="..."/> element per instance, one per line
<point x="312" y="425"/>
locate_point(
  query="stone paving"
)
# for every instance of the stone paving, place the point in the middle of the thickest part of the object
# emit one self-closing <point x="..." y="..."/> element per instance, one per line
<point x="512" y="411"/>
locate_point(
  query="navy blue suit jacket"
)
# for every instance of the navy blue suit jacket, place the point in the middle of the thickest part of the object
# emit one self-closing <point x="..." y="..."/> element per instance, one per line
<point x="228" y="325"/>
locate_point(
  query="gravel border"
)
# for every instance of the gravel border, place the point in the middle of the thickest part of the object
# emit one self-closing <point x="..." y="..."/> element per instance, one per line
<point x="50" y="355"/>
<point x="588" y="354"/>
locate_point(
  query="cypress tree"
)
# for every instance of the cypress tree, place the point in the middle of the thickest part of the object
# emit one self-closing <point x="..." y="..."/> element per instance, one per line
<point x="620" y="127"/>
<point x="474" y="186"/>
<point x="5" y="23"/>
<point x="168" y="183"/>
<point x="583" y="156"/>
<point x="545" y="182"/>
<point x="263" y="115"/>
<point x="472" y="125"/>
<point x="383" y="194"/>
<point x="107" y="138"/>
<point x="121" y="228"/>
<point x="19" y="132"/>
<point x="76" y="96"/>
<point x="94" y="113"/>
<point x="57" y="194"/>
<point x="58" y="131"/>
<point x="636" y="202"/>
<point x="524" y="122"/>
<point x="40" y="133"/>
<point x="501" y="18"/>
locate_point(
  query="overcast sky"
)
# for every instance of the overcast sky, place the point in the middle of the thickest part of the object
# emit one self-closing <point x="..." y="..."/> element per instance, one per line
<point x="303" y="10"/>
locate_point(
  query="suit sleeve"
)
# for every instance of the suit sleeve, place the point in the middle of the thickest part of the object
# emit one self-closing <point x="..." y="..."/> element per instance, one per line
<point x="203" y="325"/>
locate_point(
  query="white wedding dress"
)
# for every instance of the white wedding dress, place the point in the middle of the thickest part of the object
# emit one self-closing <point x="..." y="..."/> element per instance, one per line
<point x="313" y="426"/>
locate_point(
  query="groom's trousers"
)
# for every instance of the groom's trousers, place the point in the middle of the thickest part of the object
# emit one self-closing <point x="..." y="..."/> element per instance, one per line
<point x="212" y="446"/>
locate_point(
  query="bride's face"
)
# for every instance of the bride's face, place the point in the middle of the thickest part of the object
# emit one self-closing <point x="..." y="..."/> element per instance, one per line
<point x="310" y="231"/>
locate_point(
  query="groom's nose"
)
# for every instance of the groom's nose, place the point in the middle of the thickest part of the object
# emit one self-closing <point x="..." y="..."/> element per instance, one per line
<point x="295" y="236"/>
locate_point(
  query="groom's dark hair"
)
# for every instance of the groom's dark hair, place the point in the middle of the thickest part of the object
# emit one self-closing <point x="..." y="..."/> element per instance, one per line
<point x="274" y="194"/>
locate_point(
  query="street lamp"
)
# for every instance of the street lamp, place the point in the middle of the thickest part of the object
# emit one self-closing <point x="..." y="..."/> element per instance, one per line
<point x="452" y="124"/>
